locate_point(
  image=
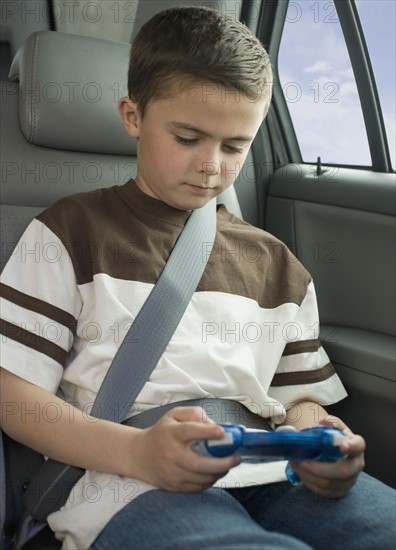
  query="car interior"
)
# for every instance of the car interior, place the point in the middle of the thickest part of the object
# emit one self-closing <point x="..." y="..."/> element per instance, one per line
<point x="61" y="134"/>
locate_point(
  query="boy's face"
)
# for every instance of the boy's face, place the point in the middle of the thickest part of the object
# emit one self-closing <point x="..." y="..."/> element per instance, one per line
<point x="192" y="144"/>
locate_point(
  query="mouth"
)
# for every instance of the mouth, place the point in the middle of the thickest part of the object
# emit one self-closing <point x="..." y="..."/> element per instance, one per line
<point x="201" y="189"/>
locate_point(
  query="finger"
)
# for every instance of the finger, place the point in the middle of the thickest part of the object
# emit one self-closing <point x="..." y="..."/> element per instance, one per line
<point x="336" y="422"/>
<point x="192" y="462"/>
<point x="180" y="482"/>
<point x="209" y="471"/>
<point x="343" y="469"/>
<point x="192" y="423"/>
<point x="332" y="489"/>
<point x="212" y="465"/>
<point x="191" y="486"/>
<point x="184" y="414"/>
<point x="353" y="446"/>
<point x="187" y="432"/>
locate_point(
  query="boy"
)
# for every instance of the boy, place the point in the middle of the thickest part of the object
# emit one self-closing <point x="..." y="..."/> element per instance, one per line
<point x="199" y="88"/>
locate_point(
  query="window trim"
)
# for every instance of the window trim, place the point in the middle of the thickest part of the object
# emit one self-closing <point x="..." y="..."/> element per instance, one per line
<point x="269" y="31"/>
<point x="365" y="81"/>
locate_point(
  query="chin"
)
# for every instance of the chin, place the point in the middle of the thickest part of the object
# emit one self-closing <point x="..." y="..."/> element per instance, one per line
<point x="194" y="203"/>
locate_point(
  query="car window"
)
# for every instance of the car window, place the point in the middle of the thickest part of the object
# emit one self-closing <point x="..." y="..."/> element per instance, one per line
<point x="378" y="22"/>
<point x="319" y="87"/>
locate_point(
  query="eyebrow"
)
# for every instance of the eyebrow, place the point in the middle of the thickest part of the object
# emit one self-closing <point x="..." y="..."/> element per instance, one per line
<point x="187" y="126"/>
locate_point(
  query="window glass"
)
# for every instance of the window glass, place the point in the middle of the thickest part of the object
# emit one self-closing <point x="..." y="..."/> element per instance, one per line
<point x="378" y="22"/>
<point x="318" y="83"/>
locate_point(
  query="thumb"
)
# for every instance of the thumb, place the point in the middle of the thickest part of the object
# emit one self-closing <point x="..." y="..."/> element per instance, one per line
<point x="336" y="422"/>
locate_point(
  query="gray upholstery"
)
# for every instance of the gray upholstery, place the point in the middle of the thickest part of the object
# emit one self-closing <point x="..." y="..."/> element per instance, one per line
<point x="55" y="139"/>
<point x="69" y="88"/>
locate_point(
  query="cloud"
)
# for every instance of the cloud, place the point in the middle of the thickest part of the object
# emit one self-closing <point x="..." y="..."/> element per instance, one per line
<point x="335" y="132"/>
<point x="347" y="73"/>
<point x="349" y="88"/>
<point x="319" y="67"/>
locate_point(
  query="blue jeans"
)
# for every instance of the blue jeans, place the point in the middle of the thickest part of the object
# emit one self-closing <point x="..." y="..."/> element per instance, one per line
<point x="272" y="517"/>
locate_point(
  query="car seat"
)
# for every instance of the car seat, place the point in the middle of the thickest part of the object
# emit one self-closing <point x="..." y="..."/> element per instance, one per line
<point x="60" y="134"/>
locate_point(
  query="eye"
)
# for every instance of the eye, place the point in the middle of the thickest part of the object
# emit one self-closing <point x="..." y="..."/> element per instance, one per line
<point x="186" y="141"/>
<point x="233" y="150"/>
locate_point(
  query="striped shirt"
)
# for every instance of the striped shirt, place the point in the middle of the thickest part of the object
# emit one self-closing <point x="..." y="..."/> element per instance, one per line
<point x="85" y="266"/>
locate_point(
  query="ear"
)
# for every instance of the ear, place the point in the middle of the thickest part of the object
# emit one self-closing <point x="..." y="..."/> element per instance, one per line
<point x="130" y="116"/>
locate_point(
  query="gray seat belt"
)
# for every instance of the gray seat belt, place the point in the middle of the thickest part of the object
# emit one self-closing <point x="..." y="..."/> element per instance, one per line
<point x="158" y="318"/>
<point x="134" y="361"/>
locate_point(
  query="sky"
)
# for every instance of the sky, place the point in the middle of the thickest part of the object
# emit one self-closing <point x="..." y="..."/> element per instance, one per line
<point x="318" y="81"/>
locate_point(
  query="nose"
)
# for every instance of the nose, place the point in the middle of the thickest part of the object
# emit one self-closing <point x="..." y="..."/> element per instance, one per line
<point x="209" y="163"/>
<point x="210" y="167"/>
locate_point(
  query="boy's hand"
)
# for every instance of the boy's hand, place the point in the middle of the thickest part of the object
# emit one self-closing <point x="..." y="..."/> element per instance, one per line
<point x="163" y="457"/>
<point x="334" y="479"/>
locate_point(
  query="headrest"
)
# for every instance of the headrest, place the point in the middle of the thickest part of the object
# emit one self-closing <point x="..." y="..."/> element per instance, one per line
<point x="69" y="87"/>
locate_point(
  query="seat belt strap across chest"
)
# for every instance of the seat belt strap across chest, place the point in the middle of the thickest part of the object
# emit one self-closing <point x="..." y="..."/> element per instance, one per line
<point x="159" y="317"/>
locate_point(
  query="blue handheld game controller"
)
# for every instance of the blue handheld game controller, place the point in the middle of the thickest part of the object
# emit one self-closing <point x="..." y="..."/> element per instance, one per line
<point x="321" y="443"/>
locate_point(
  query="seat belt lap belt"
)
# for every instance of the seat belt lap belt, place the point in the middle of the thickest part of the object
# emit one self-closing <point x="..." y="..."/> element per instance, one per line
<point x="134" y="361"/>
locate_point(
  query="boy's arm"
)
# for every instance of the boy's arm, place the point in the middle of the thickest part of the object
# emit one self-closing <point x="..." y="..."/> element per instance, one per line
<point x="160" y="455"/>
<point x="49" y="425"/>
<point x="305" y="414"/>
<point x="330" y="480"/>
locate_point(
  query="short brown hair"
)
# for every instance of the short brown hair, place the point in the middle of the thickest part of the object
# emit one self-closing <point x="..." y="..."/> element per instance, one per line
<point x="193" y="44"/>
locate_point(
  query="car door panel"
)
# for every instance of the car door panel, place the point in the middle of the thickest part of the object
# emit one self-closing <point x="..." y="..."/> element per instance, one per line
<point x="344" y="233"/>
